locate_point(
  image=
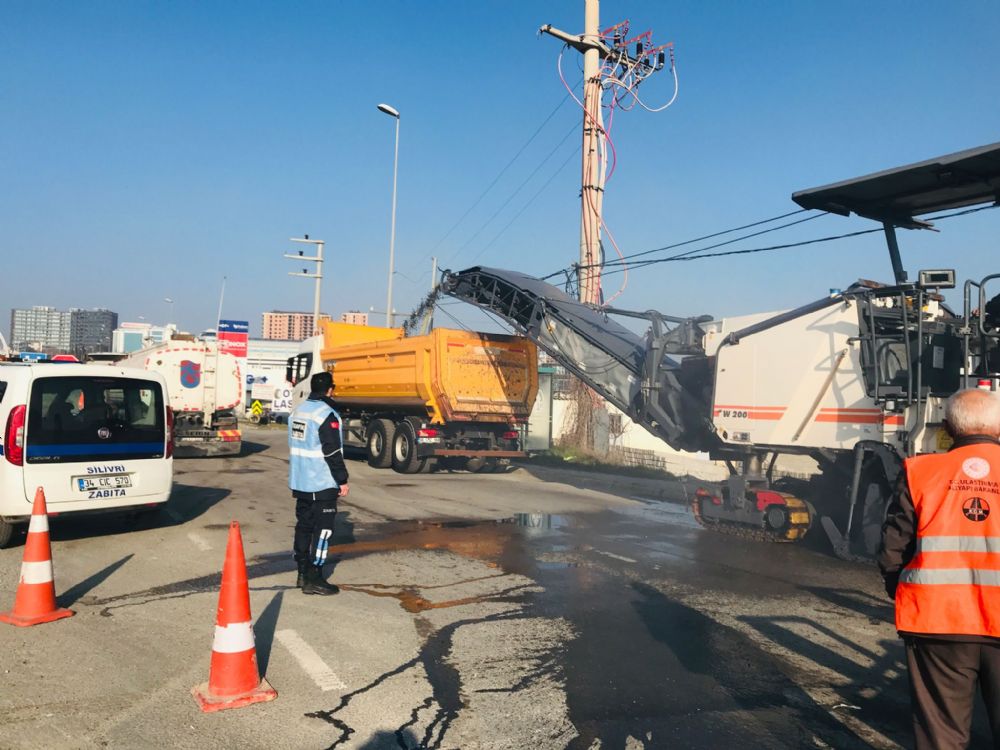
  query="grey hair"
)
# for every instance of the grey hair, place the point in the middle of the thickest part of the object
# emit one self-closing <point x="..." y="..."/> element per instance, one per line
<point x="973" y="412"/>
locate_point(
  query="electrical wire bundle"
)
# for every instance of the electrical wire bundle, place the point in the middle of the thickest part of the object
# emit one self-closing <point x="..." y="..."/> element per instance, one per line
<point x="619" y="77"/>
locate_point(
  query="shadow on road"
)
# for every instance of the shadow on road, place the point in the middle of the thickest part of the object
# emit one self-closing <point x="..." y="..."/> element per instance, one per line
<point x="71" y="595"/>
<point x="186" y="503"/>
<point x="871" y="684"/>
<point x="404" y="740"/>
<point x="251" y="448"/>
<point x="263" y="631"/>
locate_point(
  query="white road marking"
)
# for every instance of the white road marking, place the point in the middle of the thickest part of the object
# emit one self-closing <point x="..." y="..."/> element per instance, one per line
<point x="199" y="542"/>
<point x="310" y="661"/>
<point x="616" y="557"/>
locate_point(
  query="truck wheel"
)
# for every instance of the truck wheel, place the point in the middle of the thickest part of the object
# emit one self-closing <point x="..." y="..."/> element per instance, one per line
<point x="6" y="533"/>
<point x="380" y="436"/>
<point x="404" y="449"/>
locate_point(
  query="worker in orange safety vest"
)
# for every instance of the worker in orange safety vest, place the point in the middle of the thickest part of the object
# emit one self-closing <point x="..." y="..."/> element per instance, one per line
<point x="940" y="560"/>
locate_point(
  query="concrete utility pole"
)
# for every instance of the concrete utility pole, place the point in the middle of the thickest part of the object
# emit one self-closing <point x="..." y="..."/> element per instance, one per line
<point x="644" y="61"/>
<point x="591" y="193"/>
<point x="318" y="275"/>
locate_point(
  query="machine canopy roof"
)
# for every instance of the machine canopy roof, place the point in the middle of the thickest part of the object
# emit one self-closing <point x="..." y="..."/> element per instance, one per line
<point x="898" y="195"/>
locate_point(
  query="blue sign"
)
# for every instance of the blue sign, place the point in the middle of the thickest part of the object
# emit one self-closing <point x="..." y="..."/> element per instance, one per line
<point x="33" y="356"/>
<point x="234" y="326"/>
<point x="250" y="379"/>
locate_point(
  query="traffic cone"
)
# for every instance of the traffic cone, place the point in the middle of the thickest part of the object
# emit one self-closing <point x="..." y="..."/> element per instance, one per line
<point x="233" y="678"/>
<point x="35" y="601"/>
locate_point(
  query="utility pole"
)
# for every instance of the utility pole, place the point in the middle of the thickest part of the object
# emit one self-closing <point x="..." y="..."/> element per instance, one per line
<point x="318" y="275"/>
<point x="620" y="65"/>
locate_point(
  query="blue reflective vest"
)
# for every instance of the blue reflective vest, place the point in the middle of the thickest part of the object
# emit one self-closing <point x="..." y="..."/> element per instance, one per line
<point x="308" y="470"/>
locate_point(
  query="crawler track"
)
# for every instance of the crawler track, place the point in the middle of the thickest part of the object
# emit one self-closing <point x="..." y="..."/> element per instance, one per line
<point x="800" y="518"/>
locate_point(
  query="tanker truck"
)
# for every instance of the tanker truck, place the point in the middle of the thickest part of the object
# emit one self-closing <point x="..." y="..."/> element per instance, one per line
<point x="456" y="397"/>
<point x="204" y="388"/>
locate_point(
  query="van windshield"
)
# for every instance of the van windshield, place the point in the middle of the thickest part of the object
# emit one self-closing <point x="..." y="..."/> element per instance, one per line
<point x="94" y="418"/>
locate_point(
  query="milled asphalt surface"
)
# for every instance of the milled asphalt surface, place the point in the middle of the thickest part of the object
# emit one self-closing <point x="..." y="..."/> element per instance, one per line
<point x="541" y="608"/>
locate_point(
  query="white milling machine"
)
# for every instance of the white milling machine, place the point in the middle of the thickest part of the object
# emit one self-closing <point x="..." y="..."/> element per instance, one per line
<point x="856" y="380"/>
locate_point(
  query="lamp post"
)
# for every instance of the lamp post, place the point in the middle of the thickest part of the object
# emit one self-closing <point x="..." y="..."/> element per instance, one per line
<point x="392" y="232"/>
<point x="170" y="302"/>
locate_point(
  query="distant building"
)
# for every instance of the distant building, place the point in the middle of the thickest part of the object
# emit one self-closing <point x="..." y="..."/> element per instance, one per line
<point x="131" y="337"/>
<point x="91" y="331"/>
<point x="40" y="328"/>
<point x="355" y="318"/>
<point x="288" y="326"/>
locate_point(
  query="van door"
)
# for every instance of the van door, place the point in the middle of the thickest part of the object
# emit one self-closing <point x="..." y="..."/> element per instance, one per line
<point x="95" y="438"/>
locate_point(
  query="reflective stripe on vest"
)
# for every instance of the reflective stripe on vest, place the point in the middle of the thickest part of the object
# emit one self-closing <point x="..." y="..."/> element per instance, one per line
<point x="952" y="584"/>
<point x="307" y="467"/>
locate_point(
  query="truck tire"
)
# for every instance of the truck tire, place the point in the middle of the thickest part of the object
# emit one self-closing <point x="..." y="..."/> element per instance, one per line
<point x="379" y="441"/>
<point x="6" y="533"/>
<point x="404" y="449"/>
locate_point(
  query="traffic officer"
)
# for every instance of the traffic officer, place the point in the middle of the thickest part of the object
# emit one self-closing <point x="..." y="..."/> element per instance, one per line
<point x="317" y="477"/>
<point x="940" y="560"/>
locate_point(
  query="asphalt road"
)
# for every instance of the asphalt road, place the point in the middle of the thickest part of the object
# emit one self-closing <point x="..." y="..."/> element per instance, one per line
<point x="533" y="609"/>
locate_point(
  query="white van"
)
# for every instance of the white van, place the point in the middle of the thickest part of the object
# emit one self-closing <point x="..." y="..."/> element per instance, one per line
<point x="94" y="437"/>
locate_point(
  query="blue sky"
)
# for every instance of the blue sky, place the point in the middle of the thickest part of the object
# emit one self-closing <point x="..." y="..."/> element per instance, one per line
<point x="149" y="149"/>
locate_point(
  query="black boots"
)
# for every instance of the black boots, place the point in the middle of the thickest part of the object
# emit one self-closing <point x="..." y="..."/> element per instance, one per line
<point x="300" y="581"/>
<point x="314" y="583"/>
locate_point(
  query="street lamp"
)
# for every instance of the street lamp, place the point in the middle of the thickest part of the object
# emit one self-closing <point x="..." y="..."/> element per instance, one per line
<point x="392" y="112"/>
<point x="171" y="303"/>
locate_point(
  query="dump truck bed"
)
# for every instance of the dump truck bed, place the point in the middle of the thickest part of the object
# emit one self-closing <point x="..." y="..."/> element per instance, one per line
<point x="451" y="375"/>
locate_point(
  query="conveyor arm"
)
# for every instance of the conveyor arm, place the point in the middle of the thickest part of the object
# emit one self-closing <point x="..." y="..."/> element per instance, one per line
<point x="669" y="398"/>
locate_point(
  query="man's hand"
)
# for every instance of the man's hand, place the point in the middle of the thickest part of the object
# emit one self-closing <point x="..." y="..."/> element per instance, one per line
<point x="345" y="490"/>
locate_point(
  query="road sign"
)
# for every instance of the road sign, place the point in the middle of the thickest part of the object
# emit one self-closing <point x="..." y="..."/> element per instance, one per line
<point x="256" y="408"/>
<point x="282" y="398"/>
<point x="261" y="391"/>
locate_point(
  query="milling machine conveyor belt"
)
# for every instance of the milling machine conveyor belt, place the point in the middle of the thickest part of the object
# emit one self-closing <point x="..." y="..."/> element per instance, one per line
<point x="630" y="371"/>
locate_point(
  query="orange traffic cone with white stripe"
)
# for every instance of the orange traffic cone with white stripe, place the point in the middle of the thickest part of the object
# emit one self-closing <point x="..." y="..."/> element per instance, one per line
<point x="233" y="677"/>
<point x="35" y="601"/>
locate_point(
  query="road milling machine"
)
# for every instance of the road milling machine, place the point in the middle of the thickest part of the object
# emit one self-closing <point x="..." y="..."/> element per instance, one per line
<point x="856" y="380"/>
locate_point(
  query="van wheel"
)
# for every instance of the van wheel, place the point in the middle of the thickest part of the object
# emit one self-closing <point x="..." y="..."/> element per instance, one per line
<point x="404" y="449"/>
<point x="6" y="533"/>
<point x="380" y="437"/>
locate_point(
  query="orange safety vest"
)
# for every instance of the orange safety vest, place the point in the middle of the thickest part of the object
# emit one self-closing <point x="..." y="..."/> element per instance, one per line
<point x="952" y="584"/>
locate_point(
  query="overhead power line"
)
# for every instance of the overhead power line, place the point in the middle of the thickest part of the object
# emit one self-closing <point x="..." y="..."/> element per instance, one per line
<point x="501" y="173"/>
<point x="704" y="237"/>
<point x="748" y="251"/>
<point x="679" y="256"/>
<point x="525" y="207"/>
<point x="574" y="129"/>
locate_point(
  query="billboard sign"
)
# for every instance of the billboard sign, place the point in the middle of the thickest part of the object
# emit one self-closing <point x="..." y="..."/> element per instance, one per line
<point x="233" y="337"/>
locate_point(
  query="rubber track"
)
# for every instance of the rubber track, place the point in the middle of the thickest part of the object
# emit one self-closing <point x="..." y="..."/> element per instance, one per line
<point x="800" y="514"/>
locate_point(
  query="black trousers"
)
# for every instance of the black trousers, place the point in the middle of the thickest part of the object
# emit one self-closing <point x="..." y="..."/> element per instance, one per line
<point x="314" y="515"/>
<point x="943" y="678"/>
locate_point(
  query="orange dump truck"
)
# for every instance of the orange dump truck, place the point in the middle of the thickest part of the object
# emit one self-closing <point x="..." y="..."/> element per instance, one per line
<point x="454" y="396"/>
